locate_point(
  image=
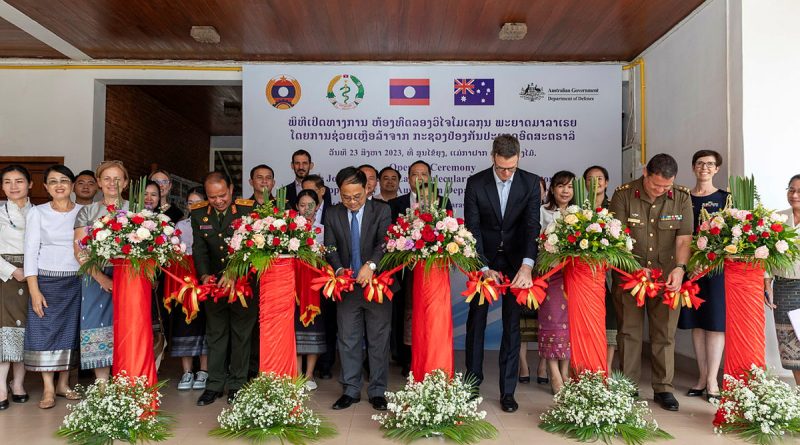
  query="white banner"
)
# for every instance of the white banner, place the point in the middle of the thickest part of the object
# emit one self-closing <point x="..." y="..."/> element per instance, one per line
<point x="567" y="117"/>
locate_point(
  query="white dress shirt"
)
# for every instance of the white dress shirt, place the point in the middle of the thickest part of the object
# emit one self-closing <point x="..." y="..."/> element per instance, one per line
<point x="49" y="240"/>
<point x="12" y="234"/>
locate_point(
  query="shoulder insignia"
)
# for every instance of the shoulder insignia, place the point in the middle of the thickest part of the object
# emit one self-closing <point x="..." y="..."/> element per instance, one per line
<point x="623" y="187"/>
<point x="198" y="205"/>
<point x="245" y="202"/>
<point x="683" y="189"/>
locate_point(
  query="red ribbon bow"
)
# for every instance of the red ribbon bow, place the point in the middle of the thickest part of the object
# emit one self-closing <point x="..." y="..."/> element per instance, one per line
<point x="189" y="295"/>
<point x="534" y="296"/>
<point x="331" y="285"/>
<point x="487" y="288"/>
<point x="641" y="285"/>
<point x="380" y="285"/>
<point x="685" y="297"/>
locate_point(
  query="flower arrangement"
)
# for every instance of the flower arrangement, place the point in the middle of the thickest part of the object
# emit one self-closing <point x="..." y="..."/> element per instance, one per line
<point x="429" y="232"/>
<point x="272" y="407"/>
<point x="124" y="408"/>
<point x="593" y="407"/>
<point x="436" y="406"/>
<point x="267" y="232"/>
<point x="760" y="408"/>
<point x="591" y="234"/>
<point x="744" y="229"/>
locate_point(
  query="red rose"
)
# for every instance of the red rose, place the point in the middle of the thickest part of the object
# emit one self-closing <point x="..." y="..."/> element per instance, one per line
<point x="427" y="217"/>
<point x="310" y="241"/>
<point x="571" y="239"/>
<point x="178" y="232"/>
<point x="428" y="236"/>
<point x="719" y="418"/>
<point x="460" y="221"/>
<point x="111" y="208"/>
<point x="317" y="230"/>
<point x="283" y="229"/>
<point x="115" y="226"/>
<point x="752" y="238"/>
<point x="254" y="215"/>
<point x="85" y="240"/>
<point x="602" y="225"/>
<point x="760" y="222"/>
<point x="230" y="250"/>
<point x="150" y="248"/>
<point x="440" y="238"/>
<point x="271" y="227"/>
<point x="714" y="231"/>
<point x="248" y="227"/>
<point x="117" y="239"/>
<point x="543" y="236"/>
<point x="439" y="250"/>
<point x="249" y="243"/>
<point x="137" y="219"/>
<point x="711" y="256"/>
<point x="276" y="241"/>
<point x="236" y="224"/>
<point x="160" y="240"/>
<point x="450" y="213"/>
<point x="292" y="225"/>
<point x="577" y="234"/>
<point x="598" y="210"/>
<point x="749" y="217"/>
<point x="416" y="212"/>
<point x="292" y="214"/>
<point x="764" y="234"/>
<point x="627" y="231"/>
<point x="747" y="228"/>
<point x="275" y="210"/>
<point x="164" y="224"/>
<point x="126" y="249"/>
<point x="419" y="244"/>
<point x="777" y="227"/>
<point x="308" y="226"/>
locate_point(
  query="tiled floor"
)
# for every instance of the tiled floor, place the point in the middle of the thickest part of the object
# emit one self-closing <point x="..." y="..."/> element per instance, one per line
<point x="26" y="423"/>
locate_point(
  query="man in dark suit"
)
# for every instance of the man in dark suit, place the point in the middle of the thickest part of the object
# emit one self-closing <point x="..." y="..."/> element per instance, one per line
<point x="419" y="175"/>
<point x="501" y="209"/>
<point x="262" y="179"/>
<point x="229" y="327"/>
<point x="302" y="166"/>
<point x="356" y="228"/>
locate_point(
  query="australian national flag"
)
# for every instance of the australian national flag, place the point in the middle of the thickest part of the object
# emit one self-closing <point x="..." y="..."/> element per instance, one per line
<point x="473" y="92"/>
<point x="409" y="92"/>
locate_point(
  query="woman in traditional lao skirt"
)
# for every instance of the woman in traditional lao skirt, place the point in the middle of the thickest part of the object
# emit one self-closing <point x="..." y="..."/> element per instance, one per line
<point x="13" y="288"/>
<point x="51" y="336"/>
<point x="553" y="321"/>
<point x="785" y="291"/>
<point x="97" y="333"/>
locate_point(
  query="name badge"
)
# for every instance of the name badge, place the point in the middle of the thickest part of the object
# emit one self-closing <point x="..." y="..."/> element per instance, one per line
<point x="633" y="220"/>
<point x="206" y="227"/>
<point x="671" y="217"/>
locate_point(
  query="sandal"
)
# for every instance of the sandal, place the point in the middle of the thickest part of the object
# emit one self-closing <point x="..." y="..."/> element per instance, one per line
<point x="47" y="402"/>
<point x="69" y="395"/>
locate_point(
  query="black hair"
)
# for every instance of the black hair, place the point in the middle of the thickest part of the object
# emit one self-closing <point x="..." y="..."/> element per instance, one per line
<point x="307" y="192"/>
<point x="369" y="166"/>
<point x="794" y="178"/>
<point x="596" y="167"/>
<point x="58" y="168"/>
<point x="86" y="173"/>
<point x="199" y="190"/>
<point x="351" y="175"/>
<point x="217" y="176"/>
<point x="260" y="166"/>
<point x="386" y="169"/>
<point x="15" y="168"/>
<point x="506" y="146"/>
<point x="662" y="165"/>
<point x="703" y="153"/>
<point x="562" y="177"/>
<point x="148" y="183"/>
<point x="301" y="152"/>
<point x="420" y="161"/>
<point x="316" y="179"/>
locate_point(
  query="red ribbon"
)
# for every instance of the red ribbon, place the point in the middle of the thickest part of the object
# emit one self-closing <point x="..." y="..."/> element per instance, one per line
<point x="487" y="288"/>
<point x="642" y="285"/>
<point x="189" y="295"/>
<point x="331" y="285"/>
<point x="685" y="297"/>
<point x="379" y="286"/>
<point x="534" y="296"/>
<point x="240" y="290"/>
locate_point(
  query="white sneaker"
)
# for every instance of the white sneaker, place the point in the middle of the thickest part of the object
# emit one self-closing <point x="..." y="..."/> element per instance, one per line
<point x="200" y="380"/>
<point x="187" y="380"/>
<point x="311" y="385"/>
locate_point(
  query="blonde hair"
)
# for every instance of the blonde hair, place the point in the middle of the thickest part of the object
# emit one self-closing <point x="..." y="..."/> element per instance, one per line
<point x="105" y="165"/>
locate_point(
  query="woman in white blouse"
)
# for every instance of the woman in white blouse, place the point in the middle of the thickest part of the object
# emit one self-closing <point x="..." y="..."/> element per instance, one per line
<point x="51" y="337"/>
<point x="13" y="289"/>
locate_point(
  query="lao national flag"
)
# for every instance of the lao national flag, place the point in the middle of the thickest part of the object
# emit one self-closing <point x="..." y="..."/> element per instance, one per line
<point x="473" y="92"/>
<point x="409" y="91"/>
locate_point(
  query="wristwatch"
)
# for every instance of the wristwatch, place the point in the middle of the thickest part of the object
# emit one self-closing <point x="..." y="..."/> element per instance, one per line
<point x="682" y="266"/>
<point x="372" y="265"/>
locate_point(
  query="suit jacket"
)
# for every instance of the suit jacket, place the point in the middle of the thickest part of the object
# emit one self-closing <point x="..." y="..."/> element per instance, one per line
<point x="209" y="248"/>
<point x="517" y="231"/>
<point x="374" y="223"/>
<point x="291" y="195"/>
<point x="400" y="204"/>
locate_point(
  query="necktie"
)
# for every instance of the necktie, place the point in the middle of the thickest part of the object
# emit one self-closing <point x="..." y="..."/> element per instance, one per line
<point x="355" y="242"/>
<point x="503" y="197"/>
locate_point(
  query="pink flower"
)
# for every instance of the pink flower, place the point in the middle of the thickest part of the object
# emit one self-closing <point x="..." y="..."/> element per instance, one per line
<point x="761" y="252"/>
<point x="781" y="246"/>
<point x="294" y="244"/>
<point x="702" y="242"/>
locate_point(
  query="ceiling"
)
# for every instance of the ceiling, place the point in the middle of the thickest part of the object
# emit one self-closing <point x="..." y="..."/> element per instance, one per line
<point x="348" y="30"/>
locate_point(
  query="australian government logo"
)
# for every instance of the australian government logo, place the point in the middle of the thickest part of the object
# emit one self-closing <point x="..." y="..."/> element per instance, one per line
<point x="345" y="91"/>
<point x="283" y="92"/>
<point x="533" y="92"/>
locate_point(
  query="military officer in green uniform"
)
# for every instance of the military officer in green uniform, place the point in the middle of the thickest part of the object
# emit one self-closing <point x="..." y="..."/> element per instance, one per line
<point x="228" y="325"/>
<point x="659" y="215"/>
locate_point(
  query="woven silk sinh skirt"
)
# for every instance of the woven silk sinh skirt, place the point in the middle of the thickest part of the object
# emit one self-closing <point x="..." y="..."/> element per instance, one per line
<point x="786" y="296"/>
<point x="97" y="331"/>
<point x="51" y="342"/>
<point x="14" y="298"/>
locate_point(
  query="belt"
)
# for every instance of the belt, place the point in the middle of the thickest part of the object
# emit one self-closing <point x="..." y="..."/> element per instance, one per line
<point x="13" y="258"/>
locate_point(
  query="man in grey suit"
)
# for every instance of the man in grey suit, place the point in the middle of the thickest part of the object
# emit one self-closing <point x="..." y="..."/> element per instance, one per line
<point x="355" y="229"/>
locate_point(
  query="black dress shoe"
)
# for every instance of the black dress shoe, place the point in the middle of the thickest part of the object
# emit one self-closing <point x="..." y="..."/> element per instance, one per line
<point x="405" y="371"/>
<point x="4" y="404"/>
<point x="508" y="403"/>
<point x="325" y="374"/>
<point x="344" y="402"/>
<point x="695" y="392"/>
<point x="379" y="403"/>
<point x="542" y="380"/>
<point x="232" y="395"/>
<point x="666" y="400"/>
<point x="208" y="397"/>
<point x="22" y="398"/>
<point x="526" y="379"/>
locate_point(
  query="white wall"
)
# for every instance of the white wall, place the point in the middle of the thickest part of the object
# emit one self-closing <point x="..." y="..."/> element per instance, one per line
<point x="61" y="112"/>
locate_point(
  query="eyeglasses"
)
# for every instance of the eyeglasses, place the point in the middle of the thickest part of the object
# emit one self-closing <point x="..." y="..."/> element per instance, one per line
<point x="161" y="181"/>
<point x="708" y="165"/>
<point x="55" y="182"/>
<point x="792" y="191"/>
<point x="354" y="198"/>
<point x="505" y="169"/>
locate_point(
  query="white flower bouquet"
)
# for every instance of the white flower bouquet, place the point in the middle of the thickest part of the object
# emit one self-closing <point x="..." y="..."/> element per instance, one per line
<point x="760" y="408"/>
<point x="273" y="407"/>
<point x="436" y="406"/>
<point x="593" y="407"/>
<point x="124" y="408"/>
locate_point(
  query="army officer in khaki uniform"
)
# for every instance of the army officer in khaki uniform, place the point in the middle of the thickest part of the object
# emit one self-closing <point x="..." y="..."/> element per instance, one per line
<point x="226" y="323"/>
<point x="659" y="215"/>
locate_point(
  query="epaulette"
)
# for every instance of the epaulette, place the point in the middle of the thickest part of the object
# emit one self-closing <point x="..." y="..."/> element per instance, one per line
<point x="683" y="189"/>
<point x="623" y="187"/>
<point x="245" y="202"/>
<point x="198" y="205"/>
